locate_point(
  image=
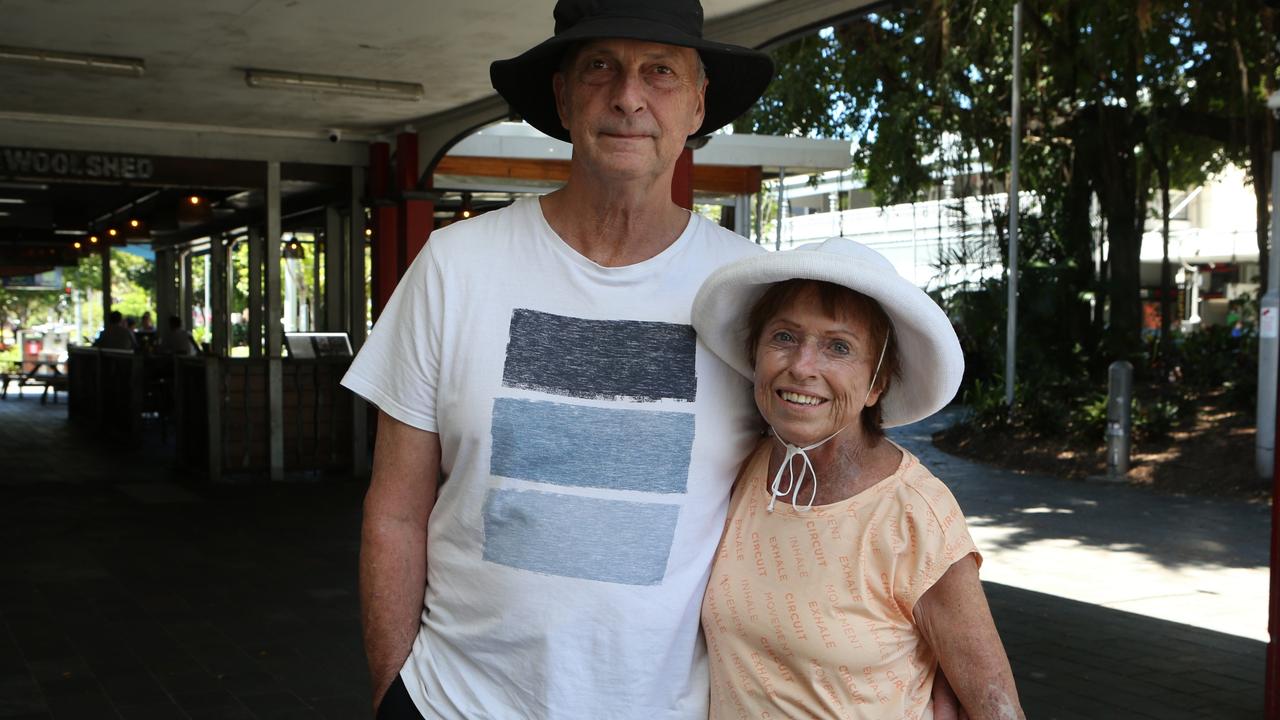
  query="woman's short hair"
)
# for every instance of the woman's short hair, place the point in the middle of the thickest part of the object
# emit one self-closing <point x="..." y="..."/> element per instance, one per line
<point x="839" y="303"/>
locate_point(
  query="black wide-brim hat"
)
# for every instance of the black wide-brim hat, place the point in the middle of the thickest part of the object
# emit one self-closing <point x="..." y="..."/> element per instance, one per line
<point x="737" y="75"/>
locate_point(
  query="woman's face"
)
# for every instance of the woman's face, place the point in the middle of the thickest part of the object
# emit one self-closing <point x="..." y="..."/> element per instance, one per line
<point x="812" y="371"/>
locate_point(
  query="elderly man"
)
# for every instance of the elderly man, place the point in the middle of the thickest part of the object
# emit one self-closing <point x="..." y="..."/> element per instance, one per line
<point x="553" y="460"/>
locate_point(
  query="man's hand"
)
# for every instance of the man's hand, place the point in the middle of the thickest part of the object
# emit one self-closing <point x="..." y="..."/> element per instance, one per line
<point x="393" y="546"/>
<point x="946" y="706"/>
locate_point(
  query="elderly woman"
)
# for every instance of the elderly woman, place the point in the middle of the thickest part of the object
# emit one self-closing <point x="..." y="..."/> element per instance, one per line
<point x="846" y="575"/>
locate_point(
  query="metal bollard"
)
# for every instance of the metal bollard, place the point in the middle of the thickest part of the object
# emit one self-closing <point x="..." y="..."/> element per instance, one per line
<point x="1119" y="401"/>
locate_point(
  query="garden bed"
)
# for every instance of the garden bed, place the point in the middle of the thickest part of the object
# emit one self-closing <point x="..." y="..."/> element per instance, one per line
<point x="1210" y="454"/>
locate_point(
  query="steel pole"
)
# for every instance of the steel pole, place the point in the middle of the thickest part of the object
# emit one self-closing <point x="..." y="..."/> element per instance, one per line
<point x="782" y="175"/>
<point x="1269" y="340"/>
<point x="1011" y="329"/>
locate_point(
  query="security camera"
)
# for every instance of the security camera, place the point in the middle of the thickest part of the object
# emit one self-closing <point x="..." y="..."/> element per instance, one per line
<point x="334" y="135"/>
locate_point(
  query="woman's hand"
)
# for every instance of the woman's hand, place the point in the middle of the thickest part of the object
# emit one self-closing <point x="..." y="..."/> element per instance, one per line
<point x="955" y="620"/>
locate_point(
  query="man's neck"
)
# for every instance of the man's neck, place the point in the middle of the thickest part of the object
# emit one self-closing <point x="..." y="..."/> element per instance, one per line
<point x="615" y="225"/>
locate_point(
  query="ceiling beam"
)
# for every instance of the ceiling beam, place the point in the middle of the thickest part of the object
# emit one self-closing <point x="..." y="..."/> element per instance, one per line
<point x="723" y="179"/>
<point x="103" y="135"/>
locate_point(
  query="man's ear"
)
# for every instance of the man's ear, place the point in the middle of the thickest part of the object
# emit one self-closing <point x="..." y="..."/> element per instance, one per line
<point x="562" y="98"/>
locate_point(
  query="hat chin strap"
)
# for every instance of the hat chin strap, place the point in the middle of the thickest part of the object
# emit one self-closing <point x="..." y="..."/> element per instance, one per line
<point x="806" y="468"/>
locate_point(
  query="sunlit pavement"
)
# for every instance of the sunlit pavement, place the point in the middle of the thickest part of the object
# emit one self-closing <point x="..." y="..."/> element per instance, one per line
<point x="1196" y="561"/>
<point x="1169" y="593"/>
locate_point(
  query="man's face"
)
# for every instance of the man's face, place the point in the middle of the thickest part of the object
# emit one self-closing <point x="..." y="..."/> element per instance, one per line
<point x="630" y="105"/>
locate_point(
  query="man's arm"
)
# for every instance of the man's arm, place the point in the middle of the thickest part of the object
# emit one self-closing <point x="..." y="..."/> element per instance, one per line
<point x="954" y="618"/>
<point x="393" y="546"/>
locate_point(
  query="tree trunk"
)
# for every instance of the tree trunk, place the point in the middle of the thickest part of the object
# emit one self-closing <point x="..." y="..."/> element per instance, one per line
<point x="1079" y="238"/>
<point x="1166" y="270"/>
<point x="1260" y="144"/>
<point x="1122" y="182"/>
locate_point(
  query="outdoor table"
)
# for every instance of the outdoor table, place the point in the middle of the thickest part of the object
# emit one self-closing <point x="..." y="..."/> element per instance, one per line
<point x="39" y="372"/>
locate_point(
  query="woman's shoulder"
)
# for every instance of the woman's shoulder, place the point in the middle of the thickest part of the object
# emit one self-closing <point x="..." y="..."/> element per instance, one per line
<point x="916" y="483"/>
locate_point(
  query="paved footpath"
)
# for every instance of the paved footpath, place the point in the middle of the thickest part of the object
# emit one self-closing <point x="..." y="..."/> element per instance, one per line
<point x="1117" y="602"/>
<point x="126" y="592"/>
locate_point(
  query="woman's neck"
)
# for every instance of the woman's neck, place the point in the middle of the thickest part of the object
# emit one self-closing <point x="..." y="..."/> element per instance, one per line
<point x="847" y="464"/>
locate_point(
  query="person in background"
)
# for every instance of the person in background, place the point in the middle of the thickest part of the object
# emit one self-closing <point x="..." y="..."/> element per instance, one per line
<point x="115" y="334"/>
<point x="176" y="340"/>
<point x="145" y="334"/>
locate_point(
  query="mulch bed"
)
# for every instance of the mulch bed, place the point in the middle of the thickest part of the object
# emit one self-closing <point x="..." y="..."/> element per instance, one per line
<point x="1211" y="454"/>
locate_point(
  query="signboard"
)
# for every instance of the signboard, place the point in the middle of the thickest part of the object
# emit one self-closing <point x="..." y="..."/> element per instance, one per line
<point x="1267" y="323"/>
<point x="49" y="164"/>
<point x="37" y="256"/>
<point x="317" y="344"/>
<point x="51" y="280"/>
<point x="23" y="162"/>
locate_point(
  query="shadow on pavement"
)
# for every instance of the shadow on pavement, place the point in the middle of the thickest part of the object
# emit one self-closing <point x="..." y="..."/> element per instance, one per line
<point x="1171" y="530"/>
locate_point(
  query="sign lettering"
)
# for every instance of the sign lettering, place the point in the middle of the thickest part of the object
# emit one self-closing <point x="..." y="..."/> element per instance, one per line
<point x="58" y="163"/>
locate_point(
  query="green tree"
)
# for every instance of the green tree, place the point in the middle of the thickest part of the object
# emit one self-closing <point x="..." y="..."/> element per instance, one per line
<point x="924" y="90"/>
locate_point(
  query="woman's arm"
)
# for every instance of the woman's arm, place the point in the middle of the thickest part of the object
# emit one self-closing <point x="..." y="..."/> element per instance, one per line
<point x="955" y="620"/>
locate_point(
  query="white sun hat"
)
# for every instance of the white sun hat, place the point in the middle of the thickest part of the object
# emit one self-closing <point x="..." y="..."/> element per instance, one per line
<point x="931" y="363"/>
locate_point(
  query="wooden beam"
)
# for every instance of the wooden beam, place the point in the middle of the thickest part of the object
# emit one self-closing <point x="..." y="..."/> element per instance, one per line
<point x="726" y="179"/>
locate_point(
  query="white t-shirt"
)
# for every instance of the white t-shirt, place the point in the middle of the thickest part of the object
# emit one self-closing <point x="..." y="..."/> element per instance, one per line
<point x="588" y="448"/>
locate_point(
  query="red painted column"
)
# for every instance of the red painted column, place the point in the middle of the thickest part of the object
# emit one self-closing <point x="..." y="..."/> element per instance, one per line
<point x="682" y="180"/>
<point x="386" y="245"/>
<point x="417" y="215"/>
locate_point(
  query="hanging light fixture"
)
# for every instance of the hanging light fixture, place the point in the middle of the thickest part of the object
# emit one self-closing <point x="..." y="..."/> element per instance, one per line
<point x="85" y="62"/>
<point x="339" y="85"/>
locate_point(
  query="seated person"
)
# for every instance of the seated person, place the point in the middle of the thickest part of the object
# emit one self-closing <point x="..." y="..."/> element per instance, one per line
<point x="175" y="340"/>
<point x="115" y="335"/>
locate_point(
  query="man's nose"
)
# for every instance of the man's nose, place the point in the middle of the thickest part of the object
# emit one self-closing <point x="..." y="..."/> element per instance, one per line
<point x="628" y="93"/>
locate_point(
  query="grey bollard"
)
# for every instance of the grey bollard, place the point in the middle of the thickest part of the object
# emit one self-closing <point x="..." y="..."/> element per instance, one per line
<point x="1119" y="401"/>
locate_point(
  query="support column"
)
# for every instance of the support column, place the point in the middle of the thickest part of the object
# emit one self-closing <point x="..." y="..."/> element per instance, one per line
<point x="218" y="297"/>
<point x="315" y="300"/>
<point x="759" y="217"/>
<point x="417" y="214"/>
<point x="356" y="318"/>
<point x="106" y="282"/>
<point x="165" y="305"/>
<point x="256" y="305"/>
<point x="682" y="180"/>
<point x="782" y="205"/>
<point x="335" y="254"/>
<point x="275" y="369"/>
<point x="357" y="272"/>
<point x="388" y="250"/>
<point x="185" y="297"/>
<point x="742" y="214"/>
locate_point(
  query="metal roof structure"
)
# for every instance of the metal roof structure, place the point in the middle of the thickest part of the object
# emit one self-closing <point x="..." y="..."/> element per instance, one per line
<point x="110" y="108"/>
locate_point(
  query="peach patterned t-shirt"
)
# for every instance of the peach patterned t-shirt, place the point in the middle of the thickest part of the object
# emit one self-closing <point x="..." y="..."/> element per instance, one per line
<point x="808" y="614"/>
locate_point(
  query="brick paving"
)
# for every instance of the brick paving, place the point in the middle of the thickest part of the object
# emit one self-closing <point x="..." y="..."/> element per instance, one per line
<point x="127" y="591"/>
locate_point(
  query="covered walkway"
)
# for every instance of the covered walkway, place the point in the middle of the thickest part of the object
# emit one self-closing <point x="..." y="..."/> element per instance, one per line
<point x="128" y="592"/>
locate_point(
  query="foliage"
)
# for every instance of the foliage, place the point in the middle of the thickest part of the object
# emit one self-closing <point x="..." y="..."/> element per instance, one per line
<point x="1118" y="98"/>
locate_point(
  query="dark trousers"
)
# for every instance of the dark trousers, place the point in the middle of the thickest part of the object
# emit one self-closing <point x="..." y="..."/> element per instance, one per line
<point x="396" y="704"/>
